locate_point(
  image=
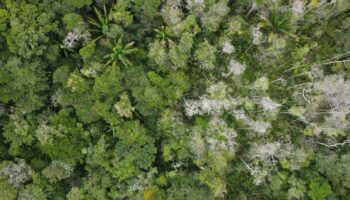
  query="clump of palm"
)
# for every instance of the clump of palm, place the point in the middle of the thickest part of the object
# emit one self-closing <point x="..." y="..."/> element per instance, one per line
<point x="278" y="22"/>
<point x="102" y="23"/>
<point x="162" y="35"/>
<point x="119" y="52"/>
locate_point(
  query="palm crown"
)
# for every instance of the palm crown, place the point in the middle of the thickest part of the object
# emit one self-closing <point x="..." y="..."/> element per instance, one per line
<point x="119" y="52"/>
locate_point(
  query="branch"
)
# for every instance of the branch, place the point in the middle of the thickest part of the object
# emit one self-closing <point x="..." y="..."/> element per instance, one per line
<point x="347" y="141"/>
<point x="334" y="62"/>
<point x="252" y="171"/>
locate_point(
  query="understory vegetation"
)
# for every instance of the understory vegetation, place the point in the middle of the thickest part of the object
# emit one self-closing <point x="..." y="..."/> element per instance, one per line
<point x="174" y="99"/>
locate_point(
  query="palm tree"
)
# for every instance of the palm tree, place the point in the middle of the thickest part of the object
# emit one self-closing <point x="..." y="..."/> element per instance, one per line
<point x="119" y="52"/>
<point x="102" y="23"/>
<point x="278" y="22"/>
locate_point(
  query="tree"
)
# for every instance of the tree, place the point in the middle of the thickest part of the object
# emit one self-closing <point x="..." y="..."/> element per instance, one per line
<point x="29" y="28"/>
<point x="215" y="15"/>
<point x="17" y="132"/>
<point x="57" y="171"/>
<point x="15" y="174"/>
<point x="119" y="52"/>
<point x="62" y="139"/>
<point x="24" y="83"/>
<point x="7" y="191"/>
<point x="124" y="107"/>
<point x="78" y="3"/>
<point x="319" y="190"/>
<point x="107" y="85"/>
<point x="174" y="99"/>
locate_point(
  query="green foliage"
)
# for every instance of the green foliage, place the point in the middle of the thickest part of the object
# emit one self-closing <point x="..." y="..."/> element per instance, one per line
<point x="172" y="87"/>
<point x="131" y="133"/>
<point x="205" y="55"/>
<point x="121" y="15"/>
<point x="336" y="169"/>
<point x="31" y="192"/>
<point x="87" y="51"/>
<point x="30" y="25"/>
<point x="119" y="52"/>
<point x="103" y="24"/>
<point x="57" y="171"/>
<point x="75" y="194"/>
<point x="7" y="191"/>
<point x="76" y="83"/>
<point x="77" y="3"/>
<point x="146" y="8"/>
<point x="297" y="188"/>
<point x="72" y="21"/>
<point x="18" y="133"/>
<point x="278" y="22"/>
<point x="124" y="107"/>
<point x="215" y="15"/>
<point x="15" y="174"/>
<point x="187" y="188"/>
<point x="107" y="86"/>
<point x="171" y="99"/>
<point x="128" y="161"/>
<point x="158" y="53"/>
<point x="23" y="83"/>
<point x="62" y="139"/>
<point x="319" y="190"/>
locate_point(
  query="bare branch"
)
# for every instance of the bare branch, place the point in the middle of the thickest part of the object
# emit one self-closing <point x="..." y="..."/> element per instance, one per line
<point x="347" y="141"/>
